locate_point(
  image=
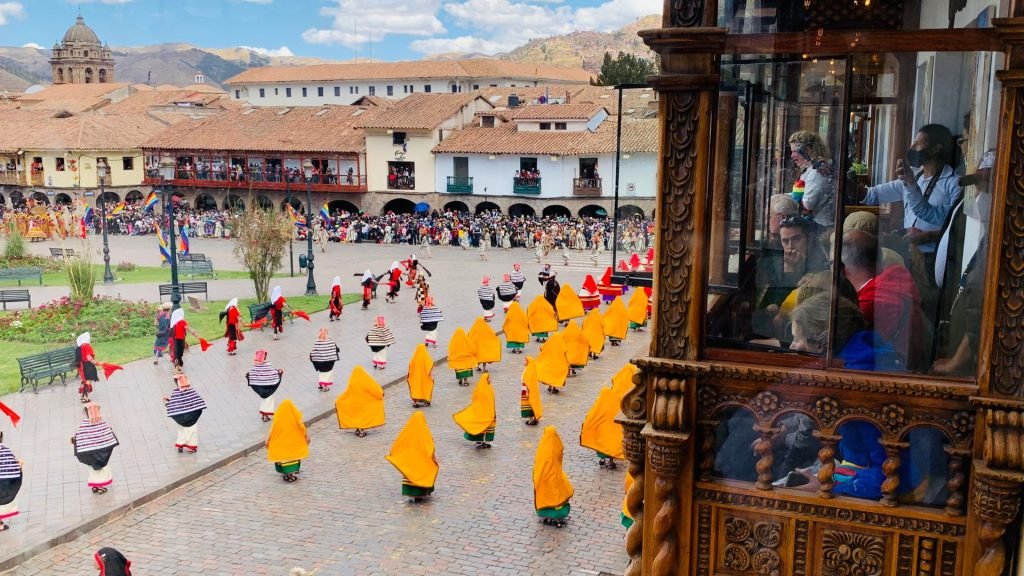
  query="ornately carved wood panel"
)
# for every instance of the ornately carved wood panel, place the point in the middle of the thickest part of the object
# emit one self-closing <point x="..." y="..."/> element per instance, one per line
<point x="842" y="550"/>
<point x="750" y="543"/>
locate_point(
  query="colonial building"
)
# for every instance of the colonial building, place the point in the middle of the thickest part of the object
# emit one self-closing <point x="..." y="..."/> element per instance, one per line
<point x="554" y="159"/>
<point x="345" y="83"/>
<point x="80" y="58"/>
<point x="257" y="155"/>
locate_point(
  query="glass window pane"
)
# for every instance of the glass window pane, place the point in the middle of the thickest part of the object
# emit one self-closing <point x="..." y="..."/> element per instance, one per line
<point x="780" y="16"/>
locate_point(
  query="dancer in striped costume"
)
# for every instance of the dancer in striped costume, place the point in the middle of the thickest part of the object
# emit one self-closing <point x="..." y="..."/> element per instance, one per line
<point x="379" y="338"/>
<point x="518" y="280"/>
<point x="324" y="355"/>
<point x="486" y="295"/>
<point x="430" y="315"/>
<point x="94" y="443"/>
<point x="507" y="292"/>
<point x="264" y="381"/>
<point x="185" y="406"/>
<point x="10" y="483"/>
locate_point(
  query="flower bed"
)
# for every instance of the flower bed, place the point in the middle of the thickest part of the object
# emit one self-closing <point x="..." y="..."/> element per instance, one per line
<point x="61" y="321"/>
<point x="47" y="264"/>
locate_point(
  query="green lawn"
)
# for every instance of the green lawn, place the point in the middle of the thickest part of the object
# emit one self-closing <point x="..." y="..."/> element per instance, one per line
<point x="206" y="323"/>
<point x="141" y="275"/>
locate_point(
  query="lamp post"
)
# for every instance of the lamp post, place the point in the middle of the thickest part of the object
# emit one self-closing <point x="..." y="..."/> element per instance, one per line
<point x="101" y="173"/>
<point x="291" y="239"/>
<point x="167" y="167"/>
<point x="618" y="155"/>
<point x="307" y="172"/>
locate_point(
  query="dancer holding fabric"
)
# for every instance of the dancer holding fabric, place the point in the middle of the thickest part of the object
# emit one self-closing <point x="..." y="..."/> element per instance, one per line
<point x="516" y="328"/>
<point x="479" y="420"/>
<point x="233" y="332"/>
<point x="616" y="321"/>
<point x="361" y="406"/>
<point x="540" y="315"/>
<point x="577" y="348"/>
<point x="412" y="454"/>
<point x="185" y="406"/>
<point x="110" y="562"/>
<point x="551" y="487"/>
<point x="593" y="330"/>
<point x="486" y="344"/>
<point x="179" y="331"/>
<point x="278" y="304"/>
<point x="369" y="284"/>
<point x="394" y="282"/>
<point x="288" y="441"/>
<point x="567" y="304"/>
<point x="335" y="304"/>
<point x="517" y="277"/>
<point x="507" y="292"/>
<point x="379" y="338"/>
<point x="485" y="293"/>
<point x="86" y="366"/>
<point x="264" y="381"/>
<point x="430" y="316"/>
<point x="461" y="357"/>
<point x="94" y="444"/>
<point x="600" y="432"/>
<point x="530" y="406"/>
<point x="420" y="377"/>
<point x="590" y="298"/>
<point x="552" y="364"/>
<point x="325" y="353"/>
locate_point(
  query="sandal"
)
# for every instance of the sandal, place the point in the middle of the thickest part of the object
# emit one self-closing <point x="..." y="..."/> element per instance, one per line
<point x="4" y="527"/>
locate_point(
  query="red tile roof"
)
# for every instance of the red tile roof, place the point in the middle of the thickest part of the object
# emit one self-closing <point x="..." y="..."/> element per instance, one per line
<point x="637" y="136"/>
<point x="422" y="111"/>
<point x="441" y="69"/>
<point x="45" y="130"/>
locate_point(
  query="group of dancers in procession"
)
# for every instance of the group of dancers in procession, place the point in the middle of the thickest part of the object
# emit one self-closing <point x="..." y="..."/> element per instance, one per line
<point x="569" y="325"/>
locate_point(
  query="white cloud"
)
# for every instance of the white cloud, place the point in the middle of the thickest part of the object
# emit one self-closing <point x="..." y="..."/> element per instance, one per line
<point x="32" y="45"/>
<point x="10" y="10"/>
<point x="282" y="51"/>
<point x="500" y="25"/>
<point x="356" y="22"/>
<point x="100" y="1"/>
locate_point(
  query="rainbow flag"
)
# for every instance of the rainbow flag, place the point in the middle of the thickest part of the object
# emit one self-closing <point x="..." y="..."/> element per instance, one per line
<point x="325" y="213"/>
<point x="151" y="201"/>
<point x="296" y="219"/>
<point x="119" y="208"/>
<point x="165" y="250"/>
<point x="183" y="243"/>
<point x="89" y="214"/>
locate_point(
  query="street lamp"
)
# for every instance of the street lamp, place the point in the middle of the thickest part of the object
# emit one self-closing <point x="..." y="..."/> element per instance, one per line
<point x="307" y="171"/>
<point x="618" y="155"/>
<point x="101" y="172"/>
<point x="291" y="238"/>
<point x="167" y="168"/>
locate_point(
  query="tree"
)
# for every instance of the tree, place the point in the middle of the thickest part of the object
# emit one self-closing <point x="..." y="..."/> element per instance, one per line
<point x="261" y="237"/>
<point x="624" y="69"/>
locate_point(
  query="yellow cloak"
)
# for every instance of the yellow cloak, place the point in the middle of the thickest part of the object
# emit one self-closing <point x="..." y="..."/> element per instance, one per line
<point x="551" y="486"/>
<point x="593" y="330"/>
<point x="288" y="440"/>
<point x="486" y="344"/>
<point x="480" y="415"/>
<point x="568" y="304"/>
<point x="532" y="388"/>
<point x="515" y="326"/>
<point x="576" y="345"/>
<point x="361" y="405"/>
<point x="460" y="352"/>
<point x="616" y="321"/>
<point x="413" y="452"/>
<point x="421" y="382"/>
<point x="552" y="365"/>
<point x="637" y="309"/>
<point x="600" y="431"/>
<point x="622" y="382"/>
<point x="540" y="316"/>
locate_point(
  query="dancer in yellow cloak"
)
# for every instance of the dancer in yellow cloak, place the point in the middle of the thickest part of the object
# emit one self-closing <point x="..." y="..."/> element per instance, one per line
<point x="479" y="419"/>
<point x="552" y="365"/>
<point x="616" y="321"/>
<point x="627" y="519"/>
<point x="529" y="400"/>
<point x="637" y="309"/>
<point x="577" y="349"/>
<point x="622" y="382"/>
<point x="413" y="455"/>
<point x="288" y="441"/>
<point x="568" y="304"/>
<point x="540" y="317"/>
<point x="600" y="431"/>
<point x="461" y="357"/>
<point x="551" y="487"/>
<point x="517" y="330"/>
<point x="486" y="344"/>
<point x="593" y="329"/>
<point x="361" y="405"/>
<point x="420" y="379"/>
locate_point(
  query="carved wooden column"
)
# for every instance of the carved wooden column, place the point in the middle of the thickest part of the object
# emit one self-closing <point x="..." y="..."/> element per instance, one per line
<point x="707" y="448"/>
<point x="891" y="468"/>
<point x="827" y="456"/>
<point x="633" y="419"/>
<point x="765" y="454"/>
<point x="957" y="480"/>
<point x="665" y="454"/>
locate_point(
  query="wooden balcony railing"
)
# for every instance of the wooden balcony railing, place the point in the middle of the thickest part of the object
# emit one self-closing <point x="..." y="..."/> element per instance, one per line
<point x="526" y="185"/>
<point x="259" y="180"/>
<point x="586" y="186"/>
<point x="37" y="178"/>
<point x="11" y="177"/>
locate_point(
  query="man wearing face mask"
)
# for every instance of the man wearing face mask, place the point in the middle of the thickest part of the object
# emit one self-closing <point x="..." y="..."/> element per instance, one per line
<point x="928" y="187"/>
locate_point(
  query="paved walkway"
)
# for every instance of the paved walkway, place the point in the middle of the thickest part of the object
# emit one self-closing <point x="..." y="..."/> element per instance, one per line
<point x="55" y="503"/>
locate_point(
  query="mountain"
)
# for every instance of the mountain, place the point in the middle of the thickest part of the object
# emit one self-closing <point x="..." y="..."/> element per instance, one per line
<point x="586" y="49"/>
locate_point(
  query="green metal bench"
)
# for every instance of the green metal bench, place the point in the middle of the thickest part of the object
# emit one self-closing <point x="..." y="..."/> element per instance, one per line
<point x="196" y="267"/>
<point x="15" y="295"/>
<point x="255" y="308"/>
<point x="50" y="364"/>
<point x="20" y="274"/>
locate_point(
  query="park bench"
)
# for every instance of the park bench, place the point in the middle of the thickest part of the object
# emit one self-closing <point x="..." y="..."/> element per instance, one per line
<point x="254" y="308"/>
<point x="196" y="267"/>
<point x="20" y="274"/>
<point x="48" y="364"/>
<point x="185" y="288"/>
<point x="61" y="253"/>
<point x="15" y="296"/>
<point x="193" y="257"/>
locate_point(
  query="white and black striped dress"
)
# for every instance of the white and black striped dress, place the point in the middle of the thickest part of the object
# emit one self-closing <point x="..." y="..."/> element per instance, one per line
<point x="429" y="318"/>
<point x="185" y="407"/>
<point x="486" y="296"/>
<point x="324" y="355"/>
<point x="10" y="476"/>
<point x="507" y="291"/>
<point x="380" y="338"/>
<point x="94" y="444"/>
<point x="263" y="379"/>
<point x="517" y="279"/>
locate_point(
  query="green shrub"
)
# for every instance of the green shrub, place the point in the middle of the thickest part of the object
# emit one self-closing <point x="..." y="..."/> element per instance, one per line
<point x="126" y="267"/>
<point x="81" y="277"/>
<point x="15" y="248"/>
<point x="60" y="321"/>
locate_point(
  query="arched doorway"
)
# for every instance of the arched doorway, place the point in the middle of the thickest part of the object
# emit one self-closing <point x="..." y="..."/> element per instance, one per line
<point x="17" y="198"/>
<point x="556" y="211"/>
<point x="521" y="210"/>
<point x="593" y="211"/>
<point x="88" y="76"/>
<point x="456" y="206"/>
<point x="111" y="198"/>
<point x="40" y="198"/>
<point x="487" y="207"/>
<point x="61" y="199"/>
<point x="294" y="201"/>
<point x="264" y="203"/>
<point x="205" y="202"/>
<point x="133" y="197"/>
<point x="629" y="211"/>
<point x="233" y="202"/>
<point x="399" y="206"/>
<point x="338" y="206"/>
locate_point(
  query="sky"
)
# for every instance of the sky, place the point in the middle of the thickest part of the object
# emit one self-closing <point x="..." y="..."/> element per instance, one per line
<point x="333" y="29"/>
